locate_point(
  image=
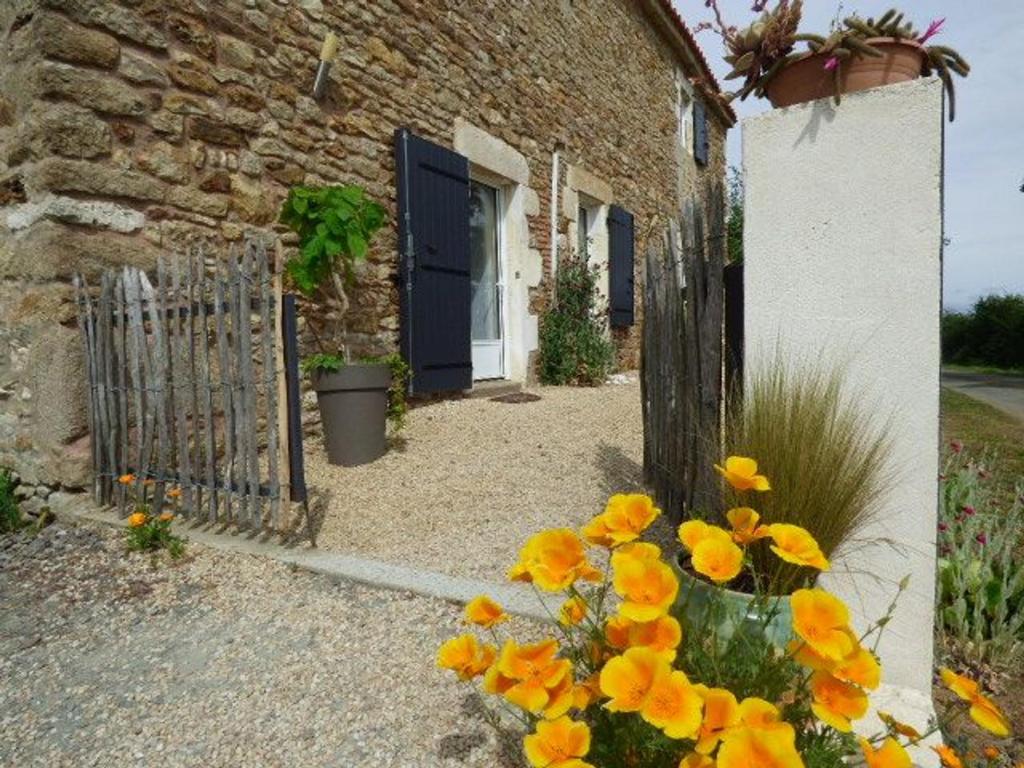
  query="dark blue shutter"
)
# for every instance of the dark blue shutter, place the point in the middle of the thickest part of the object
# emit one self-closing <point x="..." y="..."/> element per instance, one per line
<point x="620" y="267"/>
<point x="433" y="215"/>
<point x="700" y="133"/>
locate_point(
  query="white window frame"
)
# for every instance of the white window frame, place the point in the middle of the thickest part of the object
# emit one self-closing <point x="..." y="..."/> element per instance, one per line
<point x="684" y="112"/>
<point x="502" y="195"/>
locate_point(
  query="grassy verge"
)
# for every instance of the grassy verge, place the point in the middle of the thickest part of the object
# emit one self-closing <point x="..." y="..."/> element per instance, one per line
<point x="980" y="427"/>
<point x="985" y="369"/>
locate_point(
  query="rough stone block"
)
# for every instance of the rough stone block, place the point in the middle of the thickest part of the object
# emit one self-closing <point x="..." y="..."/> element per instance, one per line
<point x="57" y="379"/>
<point x="114" y="18"/>
<point x="139" y="69"/>
<point x="193" y="34"/>
<point x="60" y="175"/>
<point x="215" y="132"/>
<point x="186" y="104"/>
<point x="59" y="38"/>
<point x="167" y="124"/>
<point x="91" y="89"/>
<point x="61" y="129"/>
<point x="188" y="75"/>
<point x="233" y="52"/>
<point x="93" y="213"/>
<point x="165" y="161"/>
<point x="192" y="200"/>
<point x="49" y="251"/>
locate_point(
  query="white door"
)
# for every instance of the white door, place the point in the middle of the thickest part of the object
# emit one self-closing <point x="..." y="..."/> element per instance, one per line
<point x="487" y="288"/>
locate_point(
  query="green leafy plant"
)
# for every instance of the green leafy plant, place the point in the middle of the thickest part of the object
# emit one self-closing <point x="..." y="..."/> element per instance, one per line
<point x="335" y="226"/>
<point x="821" y="448"/>
<point x="10" y="512"/>
<point x="734" y="216"/>
<point x="980" y="595"/>
<point x="990" y="334"/>
<point x="146" y="532"/>
<point x="574" y="346"/>
<point x="398" y="405"/>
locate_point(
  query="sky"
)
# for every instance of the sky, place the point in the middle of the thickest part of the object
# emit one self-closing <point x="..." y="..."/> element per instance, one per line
<point x="984" y="204"/>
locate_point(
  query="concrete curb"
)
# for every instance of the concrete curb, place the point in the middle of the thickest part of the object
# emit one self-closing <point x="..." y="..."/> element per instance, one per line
<point x="516" y="599"/>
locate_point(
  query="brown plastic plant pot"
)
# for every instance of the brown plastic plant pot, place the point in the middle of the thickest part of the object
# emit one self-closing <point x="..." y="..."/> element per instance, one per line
<point x="353" y="410"/>
<point x="807" y="79"/>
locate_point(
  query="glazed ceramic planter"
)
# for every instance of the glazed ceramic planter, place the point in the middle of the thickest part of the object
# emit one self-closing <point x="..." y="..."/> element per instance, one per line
<point x="736" y="612"/>
<point x="354" y="411"/>
<point x="806" y="79"/>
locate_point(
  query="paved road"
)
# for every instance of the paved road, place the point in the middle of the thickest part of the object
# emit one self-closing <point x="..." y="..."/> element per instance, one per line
<point x="1003" y="392"/>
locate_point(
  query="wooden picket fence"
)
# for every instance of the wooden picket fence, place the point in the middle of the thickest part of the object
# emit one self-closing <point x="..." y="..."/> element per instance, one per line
<point x="189" y="387"/>
<point x="681" y="362"/>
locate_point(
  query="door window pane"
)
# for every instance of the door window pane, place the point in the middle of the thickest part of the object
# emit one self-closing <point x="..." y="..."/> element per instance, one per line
<point x="483" y="243"/>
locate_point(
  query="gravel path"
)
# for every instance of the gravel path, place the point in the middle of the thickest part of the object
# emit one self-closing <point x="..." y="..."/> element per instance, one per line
<point x="476" y="477"/>
<point x="221" y="660"/>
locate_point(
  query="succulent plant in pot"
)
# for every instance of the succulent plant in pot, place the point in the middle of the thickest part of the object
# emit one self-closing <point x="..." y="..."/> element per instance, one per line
<point x="335" y="225"/>
<point x="857" y="53"/>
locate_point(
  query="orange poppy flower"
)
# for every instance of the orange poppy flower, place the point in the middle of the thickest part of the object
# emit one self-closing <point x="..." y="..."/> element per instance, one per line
<point x="174" y="493"/>
<point x="822" y="621"/>
<point x="693" y="532"/>
<point x="748" y="747"/>
<point x="718" y="559"/>
<point x="484" y="612"/>
<point x="137" y="519"/>
<point x="696" y="760"/>
<point x="126" y="479"/>
<point x="537" y="676"/>
<point x="948" y="756"/>
<point x="465" y="656"/>
<point x="662" y="635"/>
<point x="889" y="755"/>
<point x="674" y="706"/>
<point x="625" y="517"/>
<point x="795" y="545"/>
<point x="984" y="711"/>
<point x="861" y="668"/>
<point x="745" y="528"/>
<point x="895" y="726"/>
<point x="837" y="703"/>
<point x="166" y="517"/>
<point x="741" y="473"/>
<point x="721" y="713"/>
<point x="627" y="680"/>
<point x="558" y="743"/>
<point x="648" y="588"/>
<point x="572" y="612"/>
<point x="553" y="560"/>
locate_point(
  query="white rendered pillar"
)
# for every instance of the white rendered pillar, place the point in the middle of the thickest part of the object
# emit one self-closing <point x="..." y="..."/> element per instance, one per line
<point x="843" y="260"/>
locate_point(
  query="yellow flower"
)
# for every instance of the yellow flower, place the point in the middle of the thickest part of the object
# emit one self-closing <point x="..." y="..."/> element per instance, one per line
<point x="890" y="755"/>
<point x="795" y="545"/>
<point x="572" y="612"/>
<point x="721" y="713"/>
<point x="662" y="635"/>
<point x="895" y="726"/>
<point x="558" y="743"/>
<point x="126" y="479"/>
<point x="674" y="706"/>
<point x="137" y="519"/>
<point x="553" y="560"/>
<point x="983" y="710"/>
<point x="837" y="703"/>
<point x="861" y="668"/>
<point x="760" y="714"/>
<point x="693" y="532"/>
<point x="537" y="677"/>
<point x="465" y="656"/>
<point x="648" y="588"/>
<point x="948" y="756"/>
<point x="625" y="517"/>
<point x="749" y="747"/>
<point x="484" y="612"/>
<point x="720" y="560"/>
<point x="587" y="692"/>
<point x="166" y="517"/>
<point x="696" y="760"/>
<point x="741" y="473"/>
<point x="822" y="621"/>
<point x="174" y="493"/>
<point x="627" y="680"/>
<point x="745" y="528"/>
<point x="638" y="550"/>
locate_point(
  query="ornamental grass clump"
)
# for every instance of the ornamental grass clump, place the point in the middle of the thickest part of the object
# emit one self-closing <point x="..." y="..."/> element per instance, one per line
<point x="622" y="682"/>
<point x="148" y="532"/>
<point x="827" y="460"/>
<point x="980" y="593"/>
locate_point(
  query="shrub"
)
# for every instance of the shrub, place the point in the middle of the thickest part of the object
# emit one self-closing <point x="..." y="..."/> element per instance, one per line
<point x="10" y="512"/>
<point x="620" y="683"/>
<point x="992" y="333"/>
<point x="734" y="217"/>
<point x="574" y="346"/>
<point x="821" y="448"/>
<point x="980" y="590"/>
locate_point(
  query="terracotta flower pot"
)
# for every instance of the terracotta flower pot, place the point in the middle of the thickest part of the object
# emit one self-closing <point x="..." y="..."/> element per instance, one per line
<point x="733" y="612"/>
<point x="807" y="79"/>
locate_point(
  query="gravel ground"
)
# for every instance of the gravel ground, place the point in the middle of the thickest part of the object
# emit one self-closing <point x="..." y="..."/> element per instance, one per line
<point x="476" y="477"/>
<point x="220" y="660"/>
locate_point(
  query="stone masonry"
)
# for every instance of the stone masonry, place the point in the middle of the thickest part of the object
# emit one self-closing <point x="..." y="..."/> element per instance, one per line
<point x="136" y="127"/>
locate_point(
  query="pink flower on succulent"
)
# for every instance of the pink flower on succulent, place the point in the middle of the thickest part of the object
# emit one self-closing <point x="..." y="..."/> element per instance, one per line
<point x="831" y="63"/>
<point x="933" y="29"/>
<point x="943" y="527"/>
<point x="956" y="446"/>
<point x="968" y="510"/>
<point x="981" y="538"/>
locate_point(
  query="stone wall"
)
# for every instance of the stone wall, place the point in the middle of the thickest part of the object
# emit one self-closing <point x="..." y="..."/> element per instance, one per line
<point x="132" y="128"/>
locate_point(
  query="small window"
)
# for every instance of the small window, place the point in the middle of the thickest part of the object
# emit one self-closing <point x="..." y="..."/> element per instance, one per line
<point x="685" y="114"/>
<point x="583" y="232"/>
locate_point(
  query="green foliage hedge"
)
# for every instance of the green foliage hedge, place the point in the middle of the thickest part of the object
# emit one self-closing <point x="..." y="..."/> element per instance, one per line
<point x="992" y="333"/>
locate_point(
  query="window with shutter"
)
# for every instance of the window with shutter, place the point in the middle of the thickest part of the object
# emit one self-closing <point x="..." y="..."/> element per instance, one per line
<point x="700" y="133"/>
<point x="620" y="267"/>
<point x="435" y="287"/>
